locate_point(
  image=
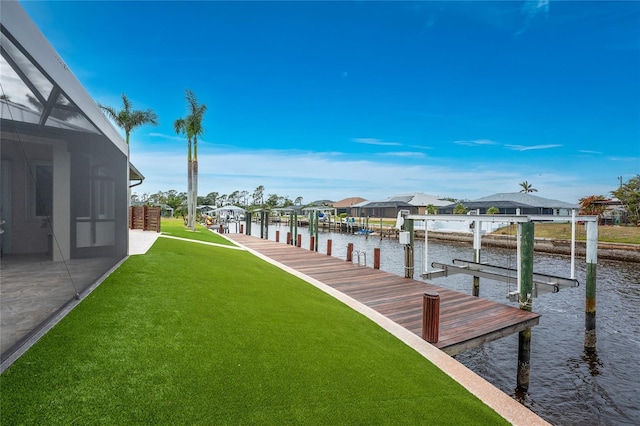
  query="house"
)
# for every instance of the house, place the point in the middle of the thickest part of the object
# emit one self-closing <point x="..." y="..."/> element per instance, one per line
<point x="64" y="170"/>
<point x="421" y="201"/>
<point x="345" y="205"/>
<point x="414" y="203"/>
<point x="509" y="203"/>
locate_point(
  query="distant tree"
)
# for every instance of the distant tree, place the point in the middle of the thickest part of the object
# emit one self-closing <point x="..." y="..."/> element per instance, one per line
<point x="460" y="209"/>
<point x="272" y="200"/>
<point x="234" y="197"/>
<point x="527" y="187"/>
<point x="298" y="201"/>
<point x="244" y="198"/>
<point x="431" y="209"/>
<point x="592" y="205"/>
<point x="175" y="199"/>
<point x="451" y="199"/>
<point x="128" y="118"/>
<point x="629" y="195"/>
<point x="493" y="210"/>
<point x="286" y="202"/>
<point x="258" y="195"/>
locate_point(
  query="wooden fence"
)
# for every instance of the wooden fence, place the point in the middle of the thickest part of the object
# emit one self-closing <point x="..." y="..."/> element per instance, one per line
<point x="146" y="218"/>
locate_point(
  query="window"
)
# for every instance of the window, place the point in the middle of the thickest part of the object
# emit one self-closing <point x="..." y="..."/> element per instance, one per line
<point x="41" y="190"/>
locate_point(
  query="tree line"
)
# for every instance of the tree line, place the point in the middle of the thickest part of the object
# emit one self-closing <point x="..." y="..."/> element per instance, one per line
<point x="178" y="201"/>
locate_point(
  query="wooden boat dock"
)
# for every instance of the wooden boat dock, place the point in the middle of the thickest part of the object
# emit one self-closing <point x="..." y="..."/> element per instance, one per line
<point x="465" y="321"/>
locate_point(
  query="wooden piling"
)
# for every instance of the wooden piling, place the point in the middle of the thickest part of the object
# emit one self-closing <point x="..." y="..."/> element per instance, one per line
<point x="242" y="228"/>
<point x="277" y="236"/>
<point x="312" y="243"/>
<point x="526" y="294"/>
<point x="430" y="316"/>
<point x="376" y="258"/>
<point x="476" y="255"/>
<point x="299" y="243"/>
<point x="590" y="300"/>
<point x="329" y="243"/>
<point x="350" y="252"/>
<point x="221" y="229"/>
<point x="408" y="250"/>
<point x="288" y="238"/>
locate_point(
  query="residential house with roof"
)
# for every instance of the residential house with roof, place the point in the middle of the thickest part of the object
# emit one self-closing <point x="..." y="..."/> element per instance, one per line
<point x="511" y="202"/>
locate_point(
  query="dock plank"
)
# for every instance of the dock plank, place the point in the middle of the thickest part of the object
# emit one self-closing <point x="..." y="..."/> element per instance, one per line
<point x="465" y="321"/>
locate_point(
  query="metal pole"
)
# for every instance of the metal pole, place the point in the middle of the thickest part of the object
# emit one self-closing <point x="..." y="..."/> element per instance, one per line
<point x="526" y="294"/>
<point x="426" y="248"/>
<point x="409" y="258"/>
<point x="590" y="301"/>
<point x="476" y="255"/>
<point x="317" y="226"/>
<point x="573" y="243"/>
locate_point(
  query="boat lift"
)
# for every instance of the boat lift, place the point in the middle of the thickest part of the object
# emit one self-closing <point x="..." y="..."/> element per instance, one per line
<point x="542" y="283"/>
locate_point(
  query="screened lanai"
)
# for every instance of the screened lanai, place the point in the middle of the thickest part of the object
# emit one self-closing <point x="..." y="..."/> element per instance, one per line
<point x="64" y="168"/>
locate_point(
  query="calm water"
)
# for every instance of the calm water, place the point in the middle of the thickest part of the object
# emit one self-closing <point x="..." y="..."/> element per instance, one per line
<point x="568" y="386"/>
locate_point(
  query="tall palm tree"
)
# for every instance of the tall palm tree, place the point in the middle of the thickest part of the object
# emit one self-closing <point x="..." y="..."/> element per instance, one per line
<point x="128" y="118"/>
<point x="527" y="187"/>
<point x="192" y="127"/>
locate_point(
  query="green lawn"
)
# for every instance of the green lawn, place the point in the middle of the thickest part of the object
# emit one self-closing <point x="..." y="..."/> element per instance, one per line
<point x="195" y="334"/>
<point x="175" y="228"/>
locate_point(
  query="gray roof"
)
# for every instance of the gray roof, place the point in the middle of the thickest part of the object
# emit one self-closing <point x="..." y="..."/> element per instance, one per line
<point x="387" y="203"/>
<point x="525" y="199"/>
<point x="420" y="199"/>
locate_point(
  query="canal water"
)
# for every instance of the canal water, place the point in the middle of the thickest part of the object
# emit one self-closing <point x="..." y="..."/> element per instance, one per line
<point x="568" y="386"/>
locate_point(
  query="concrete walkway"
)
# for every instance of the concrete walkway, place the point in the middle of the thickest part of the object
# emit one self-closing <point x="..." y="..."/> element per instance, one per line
<point x="141" y="241"/>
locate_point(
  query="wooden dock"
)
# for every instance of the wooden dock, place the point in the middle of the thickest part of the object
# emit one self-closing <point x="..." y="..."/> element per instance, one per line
<point x="465" y="321"/>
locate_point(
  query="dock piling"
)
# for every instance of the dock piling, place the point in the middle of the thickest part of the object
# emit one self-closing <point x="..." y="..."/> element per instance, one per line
<point x="350" y="252"/>
<point x="590" y="300"/>
<point x="430" y="316"/>
<point x="312" y="243"/>
<point x="277" y="236"/>
<point x="376" y="258"/>
<point x="329" y="243"/>
<point x="299" y="242"/>
<point x="526" y="294"/>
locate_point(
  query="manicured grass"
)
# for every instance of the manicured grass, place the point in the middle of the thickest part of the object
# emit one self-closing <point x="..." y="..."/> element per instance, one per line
<point x="562" y="231"/>
<point x="176" y="228"/>
<point x="194" y="334"/>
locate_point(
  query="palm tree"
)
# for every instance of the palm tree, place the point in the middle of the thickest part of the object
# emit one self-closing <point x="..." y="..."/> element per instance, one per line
<point x="191" y="126"/>
<point x="127" y="118"/>
<point x="527" y="187"/>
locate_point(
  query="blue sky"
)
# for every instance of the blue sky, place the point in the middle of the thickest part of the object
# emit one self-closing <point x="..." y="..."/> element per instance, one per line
<point x="328" y="100"/>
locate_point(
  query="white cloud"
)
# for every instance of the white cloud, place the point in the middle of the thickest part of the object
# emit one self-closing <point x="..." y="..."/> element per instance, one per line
<point x="531" y="147"/>
<point x="531" y="9"/>
<point x="404" y="154"/>
<point x="478" y="142"/>
<point x="372" y="141"/>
